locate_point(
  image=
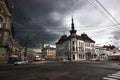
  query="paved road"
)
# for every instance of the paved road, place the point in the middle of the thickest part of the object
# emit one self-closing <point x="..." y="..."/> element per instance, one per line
<point x="59" y="71"/>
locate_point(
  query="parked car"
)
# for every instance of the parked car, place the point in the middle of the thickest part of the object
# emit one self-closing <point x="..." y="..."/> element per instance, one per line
<point x="37" y="58"/>
<point x="20" y="62"/>
<point x="95" y="59"/>
<point x="43" y="59"/>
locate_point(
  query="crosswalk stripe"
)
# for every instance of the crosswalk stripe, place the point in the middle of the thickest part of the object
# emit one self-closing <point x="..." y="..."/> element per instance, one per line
<point x="106" y="78"/>
<point x="115" y="74"/>
<point x="114" y="77"/>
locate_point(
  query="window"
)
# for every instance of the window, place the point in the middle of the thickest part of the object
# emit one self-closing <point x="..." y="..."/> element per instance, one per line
<point x="73" y="48"/>
<point x="1" y="21"/>
<point x="0" y="35"/>
<point x="79" y="44"/>
<point x="66" y="45"/>
<point x="0" y="10"/>
<point x="73" y="42"/>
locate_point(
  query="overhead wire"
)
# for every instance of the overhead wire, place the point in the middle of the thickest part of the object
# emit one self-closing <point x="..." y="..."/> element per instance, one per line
<point x="110" y="15"/>
<point x="103" y="13"/>
<point x="99" y="9"/>
<point x="108" y="12"/>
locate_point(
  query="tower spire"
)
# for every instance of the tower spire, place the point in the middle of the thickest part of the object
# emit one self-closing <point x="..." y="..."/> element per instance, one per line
<point x="72" y="31"/>
<point x="72" y="25"/>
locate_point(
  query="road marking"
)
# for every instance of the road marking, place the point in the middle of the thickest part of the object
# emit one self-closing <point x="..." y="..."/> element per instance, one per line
<point x="106" y="78"/>
<point x="114" y="77"/>
<point x="115" y="74"/>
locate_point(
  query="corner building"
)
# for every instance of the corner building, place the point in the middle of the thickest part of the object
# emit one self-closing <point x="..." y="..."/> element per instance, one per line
<point x="75" y="47"/>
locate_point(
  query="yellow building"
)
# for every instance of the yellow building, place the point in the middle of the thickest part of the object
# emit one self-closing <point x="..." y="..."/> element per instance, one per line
<point x="49" y="53"/>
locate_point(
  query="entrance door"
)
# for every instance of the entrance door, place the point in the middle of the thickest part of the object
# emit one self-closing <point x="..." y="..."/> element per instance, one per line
<point x="73" y="57"/>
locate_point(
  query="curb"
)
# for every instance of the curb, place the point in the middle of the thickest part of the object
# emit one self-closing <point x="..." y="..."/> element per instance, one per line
<point x="6" y="65"/>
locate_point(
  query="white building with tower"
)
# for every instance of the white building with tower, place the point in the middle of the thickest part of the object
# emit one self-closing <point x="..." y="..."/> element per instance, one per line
<point x="75" y="47"/>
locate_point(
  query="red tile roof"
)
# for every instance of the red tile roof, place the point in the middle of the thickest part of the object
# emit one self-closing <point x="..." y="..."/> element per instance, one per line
<point x="109" y="47"/>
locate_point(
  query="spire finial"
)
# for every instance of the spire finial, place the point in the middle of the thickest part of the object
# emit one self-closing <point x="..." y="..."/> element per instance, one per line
<point x="72" y="19"/>
<point x="72" y="25"/>
<point x="72" y="31"/>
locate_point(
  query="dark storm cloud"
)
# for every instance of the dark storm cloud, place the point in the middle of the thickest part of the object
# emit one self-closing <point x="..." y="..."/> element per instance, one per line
<point x="42" y="19"/>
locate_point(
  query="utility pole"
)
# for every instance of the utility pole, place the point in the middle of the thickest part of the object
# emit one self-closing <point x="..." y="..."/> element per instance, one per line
<point x="26" y="46"/>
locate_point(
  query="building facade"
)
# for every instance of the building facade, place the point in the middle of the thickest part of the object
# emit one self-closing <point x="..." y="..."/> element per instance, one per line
<point x="114" y="55"/>
<point x="75" y="47"/>
<point x="102" y="53"/>
<point x="106" y="52"/>
<point x="49" y="53"/>
<point x="7" y="33"/>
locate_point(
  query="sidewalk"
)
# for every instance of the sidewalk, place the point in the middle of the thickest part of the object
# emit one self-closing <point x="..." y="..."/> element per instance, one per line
<point x="6" y="65"/>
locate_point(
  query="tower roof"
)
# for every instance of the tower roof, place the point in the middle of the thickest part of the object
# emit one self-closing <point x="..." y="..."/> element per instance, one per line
<point x="73" y="31"/>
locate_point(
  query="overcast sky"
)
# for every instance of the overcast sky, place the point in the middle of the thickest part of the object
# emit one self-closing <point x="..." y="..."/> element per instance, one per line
<point x="46" y="20"/>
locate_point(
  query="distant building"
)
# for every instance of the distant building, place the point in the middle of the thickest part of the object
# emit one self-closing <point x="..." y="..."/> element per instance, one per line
<point x="75" y="47"/>
<point x="109" y="47"/>
<point x="7" y="33"/>
<point x="45" y="45"/>
<point x="49" y="53"/>
<point x="102" y="53"/>
<point x="107" y="52"/>
<point x="30" y="56"/>
<point x="114" y="55"/>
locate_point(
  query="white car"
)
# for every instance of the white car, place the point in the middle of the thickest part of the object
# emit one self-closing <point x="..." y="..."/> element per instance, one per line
<point x="43" y="59"/>
<point x="95" y="59"/>
<point x="20" y="62"/>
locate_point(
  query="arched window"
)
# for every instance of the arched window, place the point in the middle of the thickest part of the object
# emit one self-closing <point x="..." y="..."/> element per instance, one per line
<point x="1" y="21"/>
